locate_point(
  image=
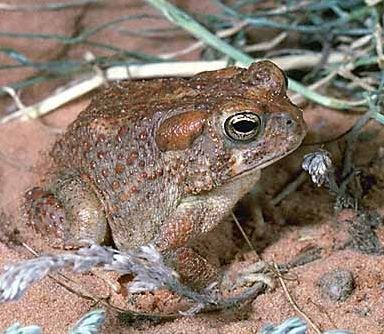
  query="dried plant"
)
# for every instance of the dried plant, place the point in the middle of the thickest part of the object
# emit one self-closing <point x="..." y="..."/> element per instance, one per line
<point x="349" y="33"/>
<point x="16" y="328"/>
<point x="90" y="323"/>
<point x="319" y="166"/>
<point x="295" y="325"/>
<point x="146" y="264"/>
<point x="319" y="163"/>
<point x="289" y="326"/>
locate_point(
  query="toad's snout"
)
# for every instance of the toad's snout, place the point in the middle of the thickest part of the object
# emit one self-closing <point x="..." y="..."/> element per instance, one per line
<point x="295" y="127"/>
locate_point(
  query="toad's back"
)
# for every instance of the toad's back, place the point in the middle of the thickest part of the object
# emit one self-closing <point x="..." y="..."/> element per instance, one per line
<point x="111" y="148"/>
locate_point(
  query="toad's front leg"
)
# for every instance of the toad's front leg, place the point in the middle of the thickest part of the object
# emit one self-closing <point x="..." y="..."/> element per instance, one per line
<point x="193" y="218"/>
<point x="190" y="220"/>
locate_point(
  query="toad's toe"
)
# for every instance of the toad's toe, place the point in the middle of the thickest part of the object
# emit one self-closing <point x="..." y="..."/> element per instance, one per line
<point x="44" y="212"/>
<point x="248" y="276"/>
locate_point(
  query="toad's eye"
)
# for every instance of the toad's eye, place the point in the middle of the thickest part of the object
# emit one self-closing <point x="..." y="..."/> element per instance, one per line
<point x="242" y="127"/>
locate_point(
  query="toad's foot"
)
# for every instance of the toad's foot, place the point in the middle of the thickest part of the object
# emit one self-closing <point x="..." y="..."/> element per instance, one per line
<point x="241" y="275"/>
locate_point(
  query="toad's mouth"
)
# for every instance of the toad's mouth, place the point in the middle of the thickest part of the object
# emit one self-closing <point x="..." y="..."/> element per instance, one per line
<point x="278" y="157"/>
<point x="266" y="163"/>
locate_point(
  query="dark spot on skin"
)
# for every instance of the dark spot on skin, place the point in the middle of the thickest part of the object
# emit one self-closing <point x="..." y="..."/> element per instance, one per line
<point x="121" y="133"/>
<point x="119" y="168"/>
<point x="115" y="185"/>
<point x="86" y="146"/>
<point x="124" y="197"/>
<point x="101" y="139"/>
<point x="143" y="135"/>
<point x="132" y="157"/>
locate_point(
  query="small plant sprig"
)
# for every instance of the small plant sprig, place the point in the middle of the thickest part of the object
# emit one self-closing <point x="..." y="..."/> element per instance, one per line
<point x="17" y="328"/>
<point x="90" y="323"/>
<point x="319" y="163"/>
<point x="319" y="166"/>
<point x="295" y="325"/>
<point x="290" y="326"/>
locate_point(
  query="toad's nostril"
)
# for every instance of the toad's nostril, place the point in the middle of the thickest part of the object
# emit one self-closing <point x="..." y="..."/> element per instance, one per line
<point x="289" y="122"/>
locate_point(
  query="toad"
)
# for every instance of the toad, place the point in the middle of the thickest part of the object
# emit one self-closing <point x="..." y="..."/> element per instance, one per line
<point x="163" y="161"/>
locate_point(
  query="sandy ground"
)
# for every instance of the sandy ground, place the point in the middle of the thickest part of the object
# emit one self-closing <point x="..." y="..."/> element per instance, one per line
<point x="309" y="223"/>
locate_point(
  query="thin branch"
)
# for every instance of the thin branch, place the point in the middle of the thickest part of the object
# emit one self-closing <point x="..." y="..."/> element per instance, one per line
<point x="268" y="45"/>
<point x="294" y="304"/>
<point x="12" y="93"/>
<point x="379" y="45"/>
<point x="242" y="232"/>
<point x="289" y="188"/>
<point x="195" y="46"/>
<point x="48" y="6"/>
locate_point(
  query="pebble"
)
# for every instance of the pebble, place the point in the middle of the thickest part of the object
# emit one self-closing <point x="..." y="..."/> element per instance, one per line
<point x="337" y="284"/>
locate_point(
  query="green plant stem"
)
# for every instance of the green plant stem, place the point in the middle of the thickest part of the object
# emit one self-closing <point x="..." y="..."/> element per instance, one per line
<point x="81" y="38"/>
<point x="49" y="6"/>
<point x="336" y="26"/>
<point x="351" y="138"/>
<point x="182" y="19"/>
<point x="378" y="117"/>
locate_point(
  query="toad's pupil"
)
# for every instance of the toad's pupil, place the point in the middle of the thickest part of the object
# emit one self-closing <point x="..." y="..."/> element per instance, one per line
<point x="244" y="126"/>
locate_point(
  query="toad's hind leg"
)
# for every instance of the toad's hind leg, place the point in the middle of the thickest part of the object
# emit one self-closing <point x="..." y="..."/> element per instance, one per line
<point x="67" y="210"/>
<point x="194" y="270"/>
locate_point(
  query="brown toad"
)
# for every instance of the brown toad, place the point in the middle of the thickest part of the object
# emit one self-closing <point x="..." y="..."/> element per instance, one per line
<point x="163" y="161"/>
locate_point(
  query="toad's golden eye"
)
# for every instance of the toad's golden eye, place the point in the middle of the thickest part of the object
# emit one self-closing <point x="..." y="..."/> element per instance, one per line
<point x="243" y="126"/>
